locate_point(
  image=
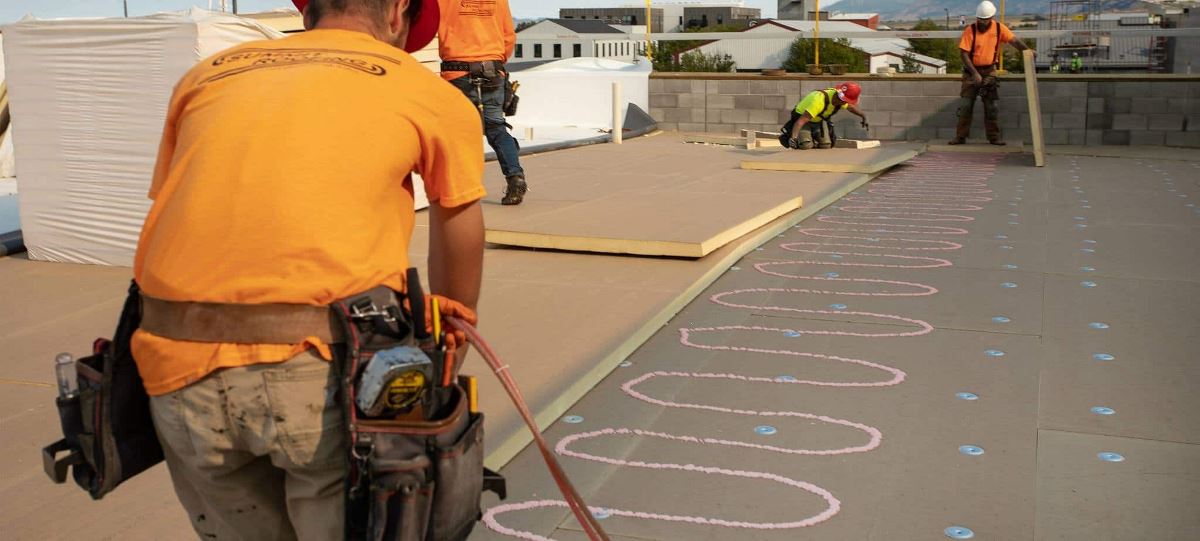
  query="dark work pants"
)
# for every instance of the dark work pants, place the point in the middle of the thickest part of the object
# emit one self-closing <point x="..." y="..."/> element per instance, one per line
<point x="989" y="93"/>
<point x="494" y="125"/>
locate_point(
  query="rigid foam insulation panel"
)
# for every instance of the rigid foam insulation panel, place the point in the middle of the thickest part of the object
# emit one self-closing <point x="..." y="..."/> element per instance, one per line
<point x="650" y="222"/>
<point x="835" y="160"/>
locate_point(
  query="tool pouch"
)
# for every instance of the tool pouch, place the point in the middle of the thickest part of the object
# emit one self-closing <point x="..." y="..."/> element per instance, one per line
<point x="489" y="75"/>
<point x="108" y="433"/>
<point x="418" y="477"/>
<point x="511" y="99"/>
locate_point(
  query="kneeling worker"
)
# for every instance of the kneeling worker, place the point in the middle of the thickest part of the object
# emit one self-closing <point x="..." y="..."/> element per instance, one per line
<point x="810" y="125"/>
<point x="283" y="182"/>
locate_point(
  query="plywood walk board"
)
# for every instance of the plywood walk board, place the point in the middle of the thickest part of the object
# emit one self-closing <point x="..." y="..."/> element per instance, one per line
<point x="836" y="160"/>
<point x="654" y="223"/>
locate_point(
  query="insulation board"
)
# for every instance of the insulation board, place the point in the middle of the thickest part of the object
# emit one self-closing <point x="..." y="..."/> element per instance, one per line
<point x="836" y="160"/>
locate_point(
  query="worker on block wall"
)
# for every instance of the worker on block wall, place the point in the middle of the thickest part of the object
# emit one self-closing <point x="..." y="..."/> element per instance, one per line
<point x="811" y="126"/>
<point x="474" y="41"/>
<point x="980" y="50"/>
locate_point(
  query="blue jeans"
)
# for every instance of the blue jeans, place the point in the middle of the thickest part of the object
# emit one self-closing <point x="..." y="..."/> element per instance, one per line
<point x="494" y="125"/>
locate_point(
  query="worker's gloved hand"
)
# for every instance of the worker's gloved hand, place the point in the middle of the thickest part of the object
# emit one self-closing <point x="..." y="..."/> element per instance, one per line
<point x="455" y="339"/>
<point x="865" y="125"/>
<point x="794" y="143"/>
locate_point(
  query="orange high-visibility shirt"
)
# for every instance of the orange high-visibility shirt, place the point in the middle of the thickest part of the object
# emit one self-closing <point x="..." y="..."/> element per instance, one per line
<point x="283" y="177"/>
<point x="474" y="31"/>
<point x="987" y="50"/>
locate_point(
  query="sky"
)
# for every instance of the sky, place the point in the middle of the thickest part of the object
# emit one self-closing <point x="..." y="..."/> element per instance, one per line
<point x="12" y="10"/>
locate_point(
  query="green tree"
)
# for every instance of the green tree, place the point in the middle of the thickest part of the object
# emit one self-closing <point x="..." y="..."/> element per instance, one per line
<point x="696" y="61"/>
<point x="945" y="49"/>
<point x="668" y="55"/>
<point x="526" y="24"/>
<point x="910" y="64"/>
<point x="833" y="51"/>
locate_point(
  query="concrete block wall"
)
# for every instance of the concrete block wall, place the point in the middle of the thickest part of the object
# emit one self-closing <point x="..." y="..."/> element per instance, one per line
<point x="1117" y="110"/>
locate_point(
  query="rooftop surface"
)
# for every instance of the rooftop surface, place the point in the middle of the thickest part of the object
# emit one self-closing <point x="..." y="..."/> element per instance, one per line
<point x="966" y="346"/>
<point x="965" y="342"/>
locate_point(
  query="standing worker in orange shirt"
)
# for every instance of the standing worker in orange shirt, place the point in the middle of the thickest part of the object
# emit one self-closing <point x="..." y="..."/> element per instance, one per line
<point x="283" y="186"/>
<point x="475" y="40"/>
<point x="980" y="49"/>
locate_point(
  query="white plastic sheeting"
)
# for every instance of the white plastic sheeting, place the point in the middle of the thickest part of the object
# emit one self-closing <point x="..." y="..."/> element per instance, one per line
<point x="93" y="94"/>
<point x="577" y="93"/>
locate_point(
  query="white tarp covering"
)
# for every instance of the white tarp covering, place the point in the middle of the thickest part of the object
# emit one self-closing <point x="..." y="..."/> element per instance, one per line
<point x="577" y="92"/>
<point x="7" y="167"/>
<point x="89" y="98"/>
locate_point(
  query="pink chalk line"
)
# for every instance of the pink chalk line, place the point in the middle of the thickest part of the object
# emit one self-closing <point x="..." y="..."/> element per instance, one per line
<point x="897" y="196"/>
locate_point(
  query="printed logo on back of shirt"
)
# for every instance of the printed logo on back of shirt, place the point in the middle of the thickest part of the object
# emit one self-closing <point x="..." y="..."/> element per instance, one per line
<point x="252" y="59"/>
<point x="477" y="8"/>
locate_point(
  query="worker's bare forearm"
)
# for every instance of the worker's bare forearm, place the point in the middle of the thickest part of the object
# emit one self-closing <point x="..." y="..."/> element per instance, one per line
<point x="1020" y="45"/>
<point x="800" y="124"/>
<point x="855" y="111"/>
<point x="968" y="63"/>
<point x="456" y="252"/>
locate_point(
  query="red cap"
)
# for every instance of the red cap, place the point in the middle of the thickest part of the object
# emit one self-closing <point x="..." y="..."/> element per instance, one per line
<point x="849" y="92"/>
<point x="424" y="27"/>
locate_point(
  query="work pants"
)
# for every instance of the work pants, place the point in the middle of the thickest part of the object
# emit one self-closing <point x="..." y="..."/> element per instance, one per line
<point x="988" y="92"/>
<point x="495" y="127"/>
<point x="259" y="452"/>
<point x="814" y="134"/>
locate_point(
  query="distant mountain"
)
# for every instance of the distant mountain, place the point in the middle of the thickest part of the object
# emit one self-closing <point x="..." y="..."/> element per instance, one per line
<point x="911" y="10"/>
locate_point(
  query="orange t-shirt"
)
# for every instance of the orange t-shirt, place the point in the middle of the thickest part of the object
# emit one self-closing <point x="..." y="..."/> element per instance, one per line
<point x="474" y="31"/>
<point x="283" y="177"/>
<point x="986" y="48"/>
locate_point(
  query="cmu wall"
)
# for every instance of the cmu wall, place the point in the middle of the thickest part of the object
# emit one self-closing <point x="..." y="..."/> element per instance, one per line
<point x="1076" y="110"/>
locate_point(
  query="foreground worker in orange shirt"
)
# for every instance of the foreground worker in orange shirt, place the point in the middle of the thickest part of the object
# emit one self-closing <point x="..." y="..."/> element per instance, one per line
<point x="475" y="39"/>
<point x="980" y="50"/>
<point x="283" y="181"/>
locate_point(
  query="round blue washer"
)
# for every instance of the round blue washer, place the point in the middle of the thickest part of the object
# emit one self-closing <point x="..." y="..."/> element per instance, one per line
<point x="1008" y="285"/>
<point x="994" y="353"/>
<point x="787" y="379"/>
<point x="765" y="430"/>
<point x="838" y="306"/>
<point x="1103" y="357"/>
<point x="626" y="364"/>
<point x="832" y="275"/>
<point x="971" y="450"/>
<point x="1098" y="325"/>
<point x="793" y="334"/>
<point x="1111" y="457"/>
<point x="1088" y="269"/>
<point x="601" y="513"/>
<point x="1088" y="284"/>
<point x="1101" y="410"/>
<point x="1001" y="319"/>
<point x="573" y="419"/>
<point x="1011" y="267"/>
<point x="967" y="396"/>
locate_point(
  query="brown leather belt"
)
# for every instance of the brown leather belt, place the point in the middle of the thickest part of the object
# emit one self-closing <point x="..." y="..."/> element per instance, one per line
<point x="240" y="323"/>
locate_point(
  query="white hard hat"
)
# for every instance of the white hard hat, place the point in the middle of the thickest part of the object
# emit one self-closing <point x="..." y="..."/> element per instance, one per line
<point x="986" y="10"/>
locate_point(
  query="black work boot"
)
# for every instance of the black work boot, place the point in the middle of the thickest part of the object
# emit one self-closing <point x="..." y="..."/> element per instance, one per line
<point x="515" y="193"/>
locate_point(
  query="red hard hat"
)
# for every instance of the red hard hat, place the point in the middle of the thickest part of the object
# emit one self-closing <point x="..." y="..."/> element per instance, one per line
<point x="424" y="27"/>
<point x="849" y="92"/>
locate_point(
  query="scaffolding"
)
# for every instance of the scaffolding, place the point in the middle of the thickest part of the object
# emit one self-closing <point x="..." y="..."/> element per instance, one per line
<point x="1081" y="16"/>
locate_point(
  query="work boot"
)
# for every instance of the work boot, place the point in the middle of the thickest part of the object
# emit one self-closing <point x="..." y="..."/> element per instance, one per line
<point x="997" y="142"/>
<point x="958" y="141"/>
<point x="515" y="193"/>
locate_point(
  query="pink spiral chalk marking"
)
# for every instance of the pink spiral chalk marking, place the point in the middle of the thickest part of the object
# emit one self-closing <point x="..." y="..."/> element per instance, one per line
<point x="929" y="183"/>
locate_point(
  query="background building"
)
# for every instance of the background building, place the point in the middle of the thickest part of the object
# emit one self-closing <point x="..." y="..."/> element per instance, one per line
<point x="760" y="54"/>
<point x="667" y="17"/>
<point x="556" y="39"/>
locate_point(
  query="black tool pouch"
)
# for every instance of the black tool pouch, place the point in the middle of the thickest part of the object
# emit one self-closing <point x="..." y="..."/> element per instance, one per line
<point x="488" y="75"/>
<point x="416" y="478"/>
<point x="511" y="99"/>
<point x="108" y="433"/>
